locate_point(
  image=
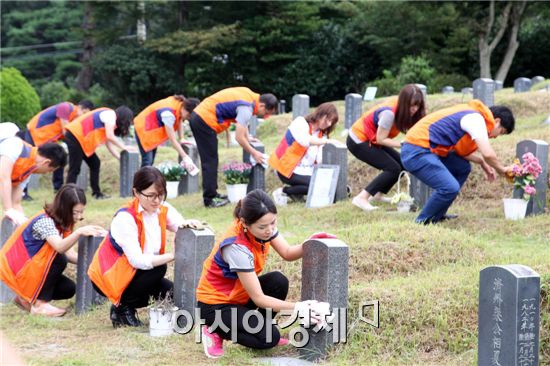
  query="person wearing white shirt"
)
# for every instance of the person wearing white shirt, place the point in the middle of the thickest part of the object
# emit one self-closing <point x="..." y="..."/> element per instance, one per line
<point x="137" y="230"/>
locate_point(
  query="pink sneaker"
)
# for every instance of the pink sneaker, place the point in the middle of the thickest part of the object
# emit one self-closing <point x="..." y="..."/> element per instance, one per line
<point x="283" y="342"/>
<point x="212" y="342"/>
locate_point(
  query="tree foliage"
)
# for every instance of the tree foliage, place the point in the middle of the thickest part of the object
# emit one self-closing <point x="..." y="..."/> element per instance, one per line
<point x="19" y="102"/>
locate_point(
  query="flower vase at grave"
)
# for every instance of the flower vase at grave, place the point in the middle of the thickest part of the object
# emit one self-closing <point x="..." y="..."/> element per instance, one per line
<point x="172" y="189"/>
<point x="161" y="321"/>
<point x="515" y="208"/>
<point x="235" y="192"/>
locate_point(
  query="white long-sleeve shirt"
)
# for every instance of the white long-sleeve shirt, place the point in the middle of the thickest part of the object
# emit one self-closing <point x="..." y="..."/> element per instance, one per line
<point x="125" y="232"/>
<point x="300" y="131"/>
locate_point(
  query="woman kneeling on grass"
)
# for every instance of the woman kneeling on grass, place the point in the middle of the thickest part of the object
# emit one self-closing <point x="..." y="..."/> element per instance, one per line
<point x="33" y="259"/>
<point x="130" y="264"/>
<point x="230" y="278"/>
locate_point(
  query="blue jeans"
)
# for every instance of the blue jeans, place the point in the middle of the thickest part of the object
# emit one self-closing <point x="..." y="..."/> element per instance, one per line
<point x="445" y="175"/>
<point x="147" y="158"/>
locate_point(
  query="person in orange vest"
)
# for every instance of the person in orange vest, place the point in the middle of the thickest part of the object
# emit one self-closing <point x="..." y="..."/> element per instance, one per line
<point x="439" y="148"/>
<point x="87" y="132"/>
<point x="231" y="285"/>
<point x="33" y="259"/>
<point x="131" y="262"/>
<point x="49" y="126"/>
<point x="159" y="122"/>
<point x="371" y="139"/>
<point x="18" y="160"/>
<point x="213" y="116"/>
<point x="296" y="155"/>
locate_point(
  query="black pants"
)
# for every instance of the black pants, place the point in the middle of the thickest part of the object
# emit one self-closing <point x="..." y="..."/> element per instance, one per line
<point x="381" y="157"/>
<point x="76" y="155"/>
<point x="298" y="184"/>
<point x="273" y="284"/>
<point x="207" y="145"/>
<point x="145" y="284"/>
<point x="57" y="286"/>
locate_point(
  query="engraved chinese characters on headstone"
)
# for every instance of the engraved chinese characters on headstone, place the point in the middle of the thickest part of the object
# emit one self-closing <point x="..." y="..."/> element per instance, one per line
<point x="86" y="295"/>
<point x="300" y="105"/>
<point x="484" y="90"/>
<point x="129" y="165"/>
<point x="354" y="107"/>
<point x="6" y="230"/>
<point x="539" y="149"/>
<point x="508" y="321"/>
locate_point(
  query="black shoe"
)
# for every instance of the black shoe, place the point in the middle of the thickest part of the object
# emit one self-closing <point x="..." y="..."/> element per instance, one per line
<point x="26" y="197"/>
<point x="222" y="196"/>
<point x="100" y="196"/>
<point x="448" y="217"/>
<point x="215" y="202"/>
<point x="123" y="315"/>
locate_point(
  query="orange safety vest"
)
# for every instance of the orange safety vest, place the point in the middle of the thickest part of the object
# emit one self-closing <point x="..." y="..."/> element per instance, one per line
<point x="366" y="126"/>
<point x="289" y="153"/>
<point x="46" y="127"/>
<point x="218" y="285"/>
<point x="148" y="124"/>
<point x="219" y="110"/>
<point x="89" y="130"/>
<point x="25" y="261"/>
<point x="441" y="132"/>
<point x="25" y="164"/>
<point x="110" y="269"/>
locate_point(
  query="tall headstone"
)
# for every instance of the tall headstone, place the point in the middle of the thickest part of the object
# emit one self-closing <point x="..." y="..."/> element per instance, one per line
<point x="338" y="155"/>
<point x="498" y="85"/>
<point x="129" y="165"/>
<point x="86" y="296"/>
<point x="536" y="79"/>
<point x="7" y="228"/>
<point x="419" y="191"/>
<point x="508" y="316"/>
<point x="253" y="126"/>
<point x="484" y="90"/>
<point x="300" y="105"/>
<point x="282" y="107"/>
<point x="539" y="148"/>
<point x="424" y="89"/>
<point x="192" y="248"/>
<point x="257" y="175"/>
<point x="188" y="183"/>
<point x="325" y="266"/>
<point x="354" y="108"/>
<point x="82" y="179"/>
<point x="448" y="90"/>
<point x="522" y="85"/>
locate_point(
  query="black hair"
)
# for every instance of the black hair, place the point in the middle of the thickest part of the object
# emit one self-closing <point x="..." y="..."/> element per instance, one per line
<point x="124" y="118"/>
<point x="270" y="101"/>
<point x="189" y="104"/>
<point x="506" y="116"/>
<point x="85" y="103"/>
<point x="147" y="176"/>
<point x="254" y="206"/>
<point x="54" y="152"/>
<point x="61" y="210"/>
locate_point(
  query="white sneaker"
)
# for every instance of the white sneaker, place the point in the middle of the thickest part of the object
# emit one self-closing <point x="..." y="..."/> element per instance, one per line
<point x="279" y="197"/>
<point x="365" y="206"/>
<point x="380" y="199"/>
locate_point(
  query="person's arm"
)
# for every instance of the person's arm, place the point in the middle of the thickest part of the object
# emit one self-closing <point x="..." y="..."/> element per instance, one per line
<point x="175" y="142"/>
<point x="386" y="120"/>
<point x="62" y="245"/>
<point x="6" y="167"/>
<point x="252" y="286"/>
<point x="242" y="137"/>
<point x="490" y="157"/>
<point x="286" y="251"/>
<point x="110" y="134"/>
<point x="490" y="173"/>
<point x="112" y="149"/>
<point x="16" y="196"/>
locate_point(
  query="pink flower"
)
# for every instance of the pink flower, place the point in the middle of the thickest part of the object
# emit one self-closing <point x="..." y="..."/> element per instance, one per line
<point x="530" y="190"/>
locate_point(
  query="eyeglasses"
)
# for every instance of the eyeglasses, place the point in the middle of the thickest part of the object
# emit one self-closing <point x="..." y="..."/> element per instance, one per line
<point x="152" y="197"/>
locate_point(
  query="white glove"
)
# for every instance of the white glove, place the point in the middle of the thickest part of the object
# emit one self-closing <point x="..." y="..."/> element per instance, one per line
<point x="264" y="164"/>
<point x="322" y="311"/>
<point x="305" y="312"/>
<point x="191" y="168"/>
<point x="17" y="217"/>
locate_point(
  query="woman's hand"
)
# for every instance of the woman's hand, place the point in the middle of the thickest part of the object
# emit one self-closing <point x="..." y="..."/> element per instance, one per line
<point x="193" y="224"/>
<point x="92" y="230"/>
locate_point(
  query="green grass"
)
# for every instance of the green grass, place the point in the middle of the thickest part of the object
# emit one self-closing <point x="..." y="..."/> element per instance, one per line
<point x="425" y="277"/>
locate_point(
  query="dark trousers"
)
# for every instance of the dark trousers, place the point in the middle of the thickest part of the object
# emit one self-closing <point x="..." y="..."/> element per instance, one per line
<point x="145" y="284"/>
<point x="298" y="184"/>
<point x="273" y="284"/>
<point x="380" y="157"/>
<point x="57" y="177"/>
<point x="207" y="145"/>
<point x="76" y="155"/>
<point x="57" y="286"/>
<point x="147" y="157"/>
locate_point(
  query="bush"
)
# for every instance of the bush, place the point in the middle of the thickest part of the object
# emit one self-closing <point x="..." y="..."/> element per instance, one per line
<point x="19" y="102"/>
<point x="387" y="85"/>
<point x="52" y="93"/>
<point x="415" y="70"/>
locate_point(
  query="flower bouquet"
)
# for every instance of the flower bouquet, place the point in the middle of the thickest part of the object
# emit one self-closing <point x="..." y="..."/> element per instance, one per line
<point x="172" y="173"/>
<point x="236" y="176"/>
<point x="523" y="176"/>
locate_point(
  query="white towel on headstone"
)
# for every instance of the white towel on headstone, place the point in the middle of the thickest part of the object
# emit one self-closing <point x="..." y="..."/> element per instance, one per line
<point x="190" y="166"/>
<point x="264" y="164"/>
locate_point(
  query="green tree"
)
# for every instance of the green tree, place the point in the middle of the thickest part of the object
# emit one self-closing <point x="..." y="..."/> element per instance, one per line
<point x="19" y="102"/>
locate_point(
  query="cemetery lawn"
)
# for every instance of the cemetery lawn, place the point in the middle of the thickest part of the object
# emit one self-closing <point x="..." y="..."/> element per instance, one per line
<point x="425" y="277"/>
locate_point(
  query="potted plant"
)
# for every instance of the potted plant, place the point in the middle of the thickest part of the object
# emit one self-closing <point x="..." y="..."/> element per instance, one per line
<point x="523" y="176"/>
<point x="162" y="316"/>
<point x="236" y="176"/>
<point x="402" y="199"/>
<point x="172" y="173"/>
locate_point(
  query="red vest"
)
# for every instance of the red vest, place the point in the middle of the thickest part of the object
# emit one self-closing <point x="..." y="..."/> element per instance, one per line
<point x="148" y="124"/>
<point x="46" y="127"/>
<point x="89" y="130"/>
<point x="25" y="164"/>
<point x="366" y="126"/>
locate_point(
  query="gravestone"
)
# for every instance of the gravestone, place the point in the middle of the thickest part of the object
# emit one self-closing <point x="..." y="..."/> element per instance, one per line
<point x="282" y="107"/>
<point x="419" y="191"/>
<point x="253" y="126"/>
<point x="423" y="88"/>
<point x="498" y="85"/>
<point x="300" y="105"/>
<point x="338" y="155"/>
<point x="353" y="109"/>
<point x="322" y="186"/>
<point x="484" y="90"/>
<point x="448" y="90"/>
<point x="467" y="90"/>
<point x="539" y="148"/>
<point x="129" y="165"/>
<point x="325" y="266"/>
<point x="34" y="181"/>
<point x="257" y="175"/>
<point x="508" y="316"/>
<point x="189" y="183"/>
<point x="86" y="296"/>
<point x="6" y="230"/>
<point x="536" y="79"/>
<point x="522" y="85"/>
<point x="370" y="93"/>
<point x="192" y="248"/>
<point x="82" y="179"/>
